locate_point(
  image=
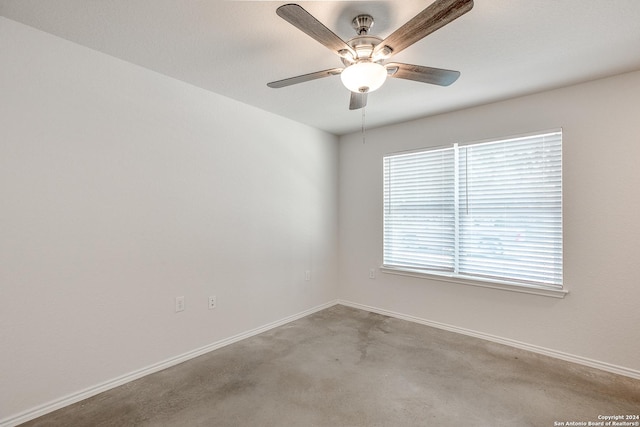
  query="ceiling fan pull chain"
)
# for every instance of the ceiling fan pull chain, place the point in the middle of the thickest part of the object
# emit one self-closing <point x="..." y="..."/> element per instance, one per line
<point x="363" y="126"/>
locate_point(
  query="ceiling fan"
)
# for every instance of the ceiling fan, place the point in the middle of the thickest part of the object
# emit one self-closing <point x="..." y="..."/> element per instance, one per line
<point x="364" y="56"/>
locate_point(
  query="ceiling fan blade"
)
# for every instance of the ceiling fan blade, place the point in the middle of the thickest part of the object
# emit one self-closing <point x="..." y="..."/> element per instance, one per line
<point x="305" y="78"/>
<point x="305" y="22"/>
<point x="358" y="100"/>
<point x="435" y="16"/>
<point x="418" y="73"/>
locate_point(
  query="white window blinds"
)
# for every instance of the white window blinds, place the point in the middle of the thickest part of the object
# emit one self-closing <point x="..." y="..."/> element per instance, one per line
<point x="490" y="210"/>
<point x="419" y="206"/>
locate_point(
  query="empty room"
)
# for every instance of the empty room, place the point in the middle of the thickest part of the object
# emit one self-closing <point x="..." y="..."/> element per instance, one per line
<point x="331" y="213"/>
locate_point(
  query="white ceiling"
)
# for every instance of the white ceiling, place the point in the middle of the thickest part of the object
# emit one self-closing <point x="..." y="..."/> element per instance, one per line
<point x="503" y="48"/>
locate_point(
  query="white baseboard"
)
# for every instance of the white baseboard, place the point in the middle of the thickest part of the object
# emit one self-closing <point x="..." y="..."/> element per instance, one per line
<point x="53" y="405"/>
<point x="620" y="370"/>
<point x="46" y="408"/>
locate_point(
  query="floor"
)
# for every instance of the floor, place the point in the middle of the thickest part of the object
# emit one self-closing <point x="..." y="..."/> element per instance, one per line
<point x="348" y="367"/>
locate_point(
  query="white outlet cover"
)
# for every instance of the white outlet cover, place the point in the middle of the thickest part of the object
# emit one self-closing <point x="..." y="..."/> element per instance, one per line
<point x="179" y="304"/>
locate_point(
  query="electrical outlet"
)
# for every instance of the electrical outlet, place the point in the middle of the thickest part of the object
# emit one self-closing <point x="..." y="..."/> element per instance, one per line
<point x="212" y="302"/>
<point x="372" y="273"/>
<point x="307" y="275"/>
<point x="179" y="304"/>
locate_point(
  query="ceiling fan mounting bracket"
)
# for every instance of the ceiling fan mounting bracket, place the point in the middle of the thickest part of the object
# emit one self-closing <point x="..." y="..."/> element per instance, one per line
<point x="362" y="24"/>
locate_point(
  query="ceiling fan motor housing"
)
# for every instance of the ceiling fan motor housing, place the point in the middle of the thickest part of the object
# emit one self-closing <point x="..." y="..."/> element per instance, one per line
<point x="362" y="49"/>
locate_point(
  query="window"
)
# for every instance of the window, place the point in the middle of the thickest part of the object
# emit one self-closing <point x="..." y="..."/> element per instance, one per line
<point x="488" y="211"/>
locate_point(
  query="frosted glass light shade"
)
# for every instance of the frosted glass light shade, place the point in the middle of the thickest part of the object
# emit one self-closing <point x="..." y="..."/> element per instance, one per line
<point x="363" y="76"/>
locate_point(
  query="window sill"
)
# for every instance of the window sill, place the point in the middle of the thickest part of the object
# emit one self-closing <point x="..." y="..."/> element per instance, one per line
<point x="505" y="286"/>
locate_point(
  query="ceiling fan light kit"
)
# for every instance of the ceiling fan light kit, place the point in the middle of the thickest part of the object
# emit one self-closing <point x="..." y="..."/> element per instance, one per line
<point x="363" y="76"/>
<point x="364" y="55"/>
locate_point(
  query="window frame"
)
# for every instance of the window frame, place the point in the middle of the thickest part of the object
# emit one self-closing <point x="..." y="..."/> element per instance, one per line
<point x="551" y="290"/>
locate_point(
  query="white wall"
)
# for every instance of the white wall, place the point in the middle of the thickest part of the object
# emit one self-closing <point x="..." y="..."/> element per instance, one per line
<point x="122" y="189"/>
<point x="599" y="319"/>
